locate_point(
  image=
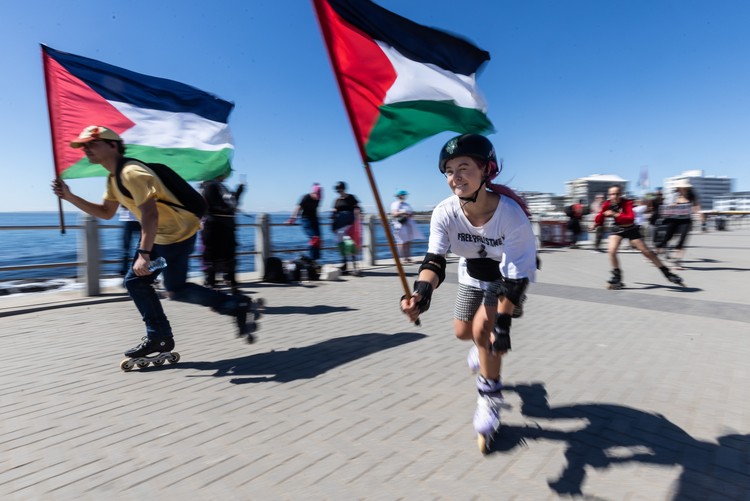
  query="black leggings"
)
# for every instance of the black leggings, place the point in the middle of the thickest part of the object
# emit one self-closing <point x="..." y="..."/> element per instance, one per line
<point x="680" y="227"/>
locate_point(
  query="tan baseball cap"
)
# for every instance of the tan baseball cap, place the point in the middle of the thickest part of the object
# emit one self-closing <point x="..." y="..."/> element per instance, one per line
<point x="94" y="132"/>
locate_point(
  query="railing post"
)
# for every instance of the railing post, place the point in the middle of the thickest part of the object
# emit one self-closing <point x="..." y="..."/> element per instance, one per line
<point x="262" y="242"/>
<point x="369" y="242"/>
<point x="91" y="269"/>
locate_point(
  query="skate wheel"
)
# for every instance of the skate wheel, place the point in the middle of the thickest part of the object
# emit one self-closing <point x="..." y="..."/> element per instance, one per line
<point x="158" y="362"/>
<point x="483" y="443"/>
<point x="260" y="302"/>
<point x="250" y="339"/>
<point x="175" y="358"/>
<point x="142" y="364"/>
<point x="127" y="365"/>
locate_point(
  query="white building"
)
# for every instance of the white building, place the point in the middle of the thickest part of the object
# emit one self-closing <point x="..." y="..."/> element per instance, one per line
<point x="739" y="201"/>
<point x="586" y="188"/>
<point x="706" y="187"/>
<point x="543" y="203"/>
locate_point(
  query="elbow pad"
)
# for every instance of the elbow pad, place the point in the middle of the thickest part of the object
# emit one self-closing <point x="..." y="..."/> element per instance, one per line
<point x="435" y="263"/>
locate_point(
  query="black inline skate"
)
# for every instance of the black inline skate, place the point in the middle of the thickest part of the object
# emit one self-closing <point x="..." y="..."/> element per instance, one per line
<point x="139" y="355"/>
<point x="615" y="283"/>
<point x="675" y="279"/>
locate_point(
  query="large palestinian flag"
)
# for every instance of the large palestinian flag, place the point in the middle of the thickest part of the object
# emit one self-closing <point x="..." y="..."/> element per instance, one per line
<point x="401" y="82"/>
<point x="160" y="120"/>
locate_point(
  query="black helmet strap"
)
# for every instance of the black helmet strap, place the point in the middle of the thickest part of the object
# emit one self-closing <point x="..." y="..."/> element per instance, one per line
<point x="473" y="198"/>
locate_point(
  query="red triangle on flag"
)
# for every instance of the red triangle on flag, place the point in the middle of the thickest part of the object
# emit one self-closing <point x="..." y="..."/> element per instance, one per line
<point x="73" y="106"/>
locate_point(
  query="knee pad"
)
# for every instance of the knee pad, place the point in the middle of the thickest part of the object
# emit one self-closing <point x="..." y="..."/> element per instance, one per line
<point x="514" y="289"/>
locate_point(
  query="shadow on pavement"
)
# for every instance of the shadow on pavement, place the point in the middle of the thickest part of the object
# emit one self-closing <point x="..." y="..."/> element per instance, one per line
<point x="613" y="434"/>
<point x="676" y="288"/>
<point x="306" y="362"/>
<point x="318" y="309"/>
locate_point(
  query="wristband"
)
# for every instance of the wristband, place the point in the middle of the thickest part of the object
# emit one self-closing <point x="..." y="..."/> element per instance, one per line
<point x="144" y="251"/>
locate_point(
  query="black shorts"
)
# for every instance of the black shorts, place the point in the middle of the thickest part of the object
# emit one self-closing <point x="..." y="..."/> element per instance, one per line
<point x="631" y="232"/>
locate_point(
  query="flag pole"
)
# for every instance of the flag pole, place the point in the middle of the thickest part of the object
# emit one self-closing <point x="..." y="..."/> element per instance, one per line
<point x="317" y="4"/>
<point x="52" y="133"/>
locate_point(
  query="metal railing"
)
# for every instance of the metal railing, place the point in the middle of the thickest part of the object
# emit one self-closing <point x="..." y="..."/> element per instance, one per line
<point x="89" y="263"/>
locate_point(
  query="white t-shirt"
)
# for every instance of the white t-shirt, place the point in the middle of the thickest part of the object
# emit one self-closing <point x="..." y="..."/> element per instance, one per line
<point x="506" y="238"/>
<point x="639" y="213"/>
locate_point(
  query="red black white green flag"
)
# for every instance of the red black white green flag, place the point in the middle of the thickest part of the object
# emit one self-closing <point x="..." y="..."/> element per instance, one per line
<point x="401" y="82"/>
<point x="159" y="120"/>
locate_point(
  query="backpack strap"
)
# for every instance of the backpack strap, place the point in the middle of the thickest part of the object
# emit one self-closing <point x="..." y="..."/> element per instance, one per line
<point x="126" y="192"/>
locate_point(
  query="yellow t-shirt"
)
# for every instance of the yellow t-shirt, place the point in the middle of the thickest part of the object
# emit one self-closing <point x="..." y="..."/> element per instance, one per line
<point x="175" y="225"/>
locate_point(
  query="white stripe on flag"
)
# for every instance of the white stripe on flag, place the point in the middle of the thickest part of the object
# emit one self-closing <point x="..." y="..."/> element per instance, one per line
<point x="427" y="82"/>
<point x="162" y="129"/>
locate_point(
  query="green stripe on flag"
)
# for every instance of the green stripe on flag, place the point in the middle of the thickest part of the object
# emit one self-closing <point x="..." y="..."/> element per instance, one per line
<point x="403" y="124"/>
<point x="193" y="165"/>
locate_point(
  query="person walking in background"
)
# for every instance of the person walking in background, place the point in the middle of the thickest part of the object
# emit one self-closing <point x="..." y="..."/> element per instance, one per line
<point x="219" y="231"/>
<point x="620" y="209"/>
<point x="678" y="220"/>
<point x="130" y="226"/>
<point x="345" y="217"/>
<point x="167" y="231"/>
<point x="596" y="206"/>
<point x="575" y="213"/>
<point x="488" y="226"/>
<point x="405" y="229"/>
<point x="307" y="211"/>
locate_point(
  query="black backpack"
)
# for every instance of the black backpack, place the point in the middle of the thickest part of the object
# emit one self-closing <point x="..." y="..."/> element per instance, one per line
<point x="190" y="200"/>
<point x="274" y="271"/>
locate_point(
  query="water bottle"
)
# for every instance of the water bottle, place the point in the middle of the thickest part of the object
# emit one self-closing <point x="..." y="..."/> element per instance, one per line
<point x="157" y="264"/>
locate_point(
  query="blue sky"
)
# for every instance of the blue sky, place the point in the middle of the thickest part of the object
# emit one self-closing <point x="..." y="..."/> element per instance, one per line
<point x="575" y="87"/>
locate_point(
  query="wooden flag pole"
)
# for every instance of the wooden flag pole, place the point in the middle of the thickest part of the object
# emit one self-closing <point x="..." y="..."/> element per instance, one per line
<point x="52" y="133"/>
<point x="388" y="234"/>
<point x="320" y="14"/>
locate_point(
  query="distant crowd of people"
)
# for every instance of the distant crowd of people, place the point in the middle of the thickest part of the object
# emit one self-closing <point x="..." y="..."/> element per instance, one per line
<point x="636" y="220"/>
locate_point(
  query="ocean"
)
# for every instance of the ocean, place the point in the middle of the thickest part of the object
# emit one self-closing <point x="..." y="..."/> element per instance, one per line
<point x="45" y="246"/>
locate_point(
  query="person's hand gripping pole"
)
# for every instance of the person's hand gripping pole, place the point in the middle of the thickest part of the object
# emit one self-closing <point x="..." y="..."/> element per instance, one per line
<point x="431" y="275"/>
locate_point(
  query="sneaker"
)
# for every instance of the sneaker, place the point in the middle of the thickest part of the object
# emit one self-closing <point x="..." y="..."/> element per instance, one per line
<point x="149" y="346"/>
<point x="472" y="359"/>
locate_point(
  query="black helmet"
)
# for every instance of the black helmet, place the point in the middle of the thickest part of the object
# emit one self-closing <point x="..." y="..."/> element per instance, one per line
<point x="340" y="186"/>
<point x="470" y="145"/>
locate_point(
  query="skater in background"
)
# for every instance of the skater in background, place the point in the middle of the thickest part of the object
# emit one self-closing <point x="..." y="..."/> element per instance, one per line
<point x="166" y="232"/>
<point x="307" y="211"/>
<point x="488" y="226"/>
<point x="219" y="231"/>
<point x="654" y="219"/>
<point x="346" y="211"/>
<point x="620" y="209"/>
<point x="130" y="227"/>
<point x="575" y="213"/>
<point x="678" y="220"/>
<point x="596" y="206"/>
<point x="405" y="229"/>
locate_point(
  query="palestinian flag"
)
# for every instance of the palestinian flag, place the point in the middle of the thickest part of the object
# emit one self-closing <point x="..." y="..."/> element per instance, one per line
<point x="160" y="120"/>
<point x="401" y="82"/>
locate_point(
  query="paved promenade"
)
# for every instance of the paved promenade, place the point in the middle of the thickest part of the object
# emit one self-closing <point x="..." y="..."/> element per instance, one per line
<point x="639" y="394"/>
